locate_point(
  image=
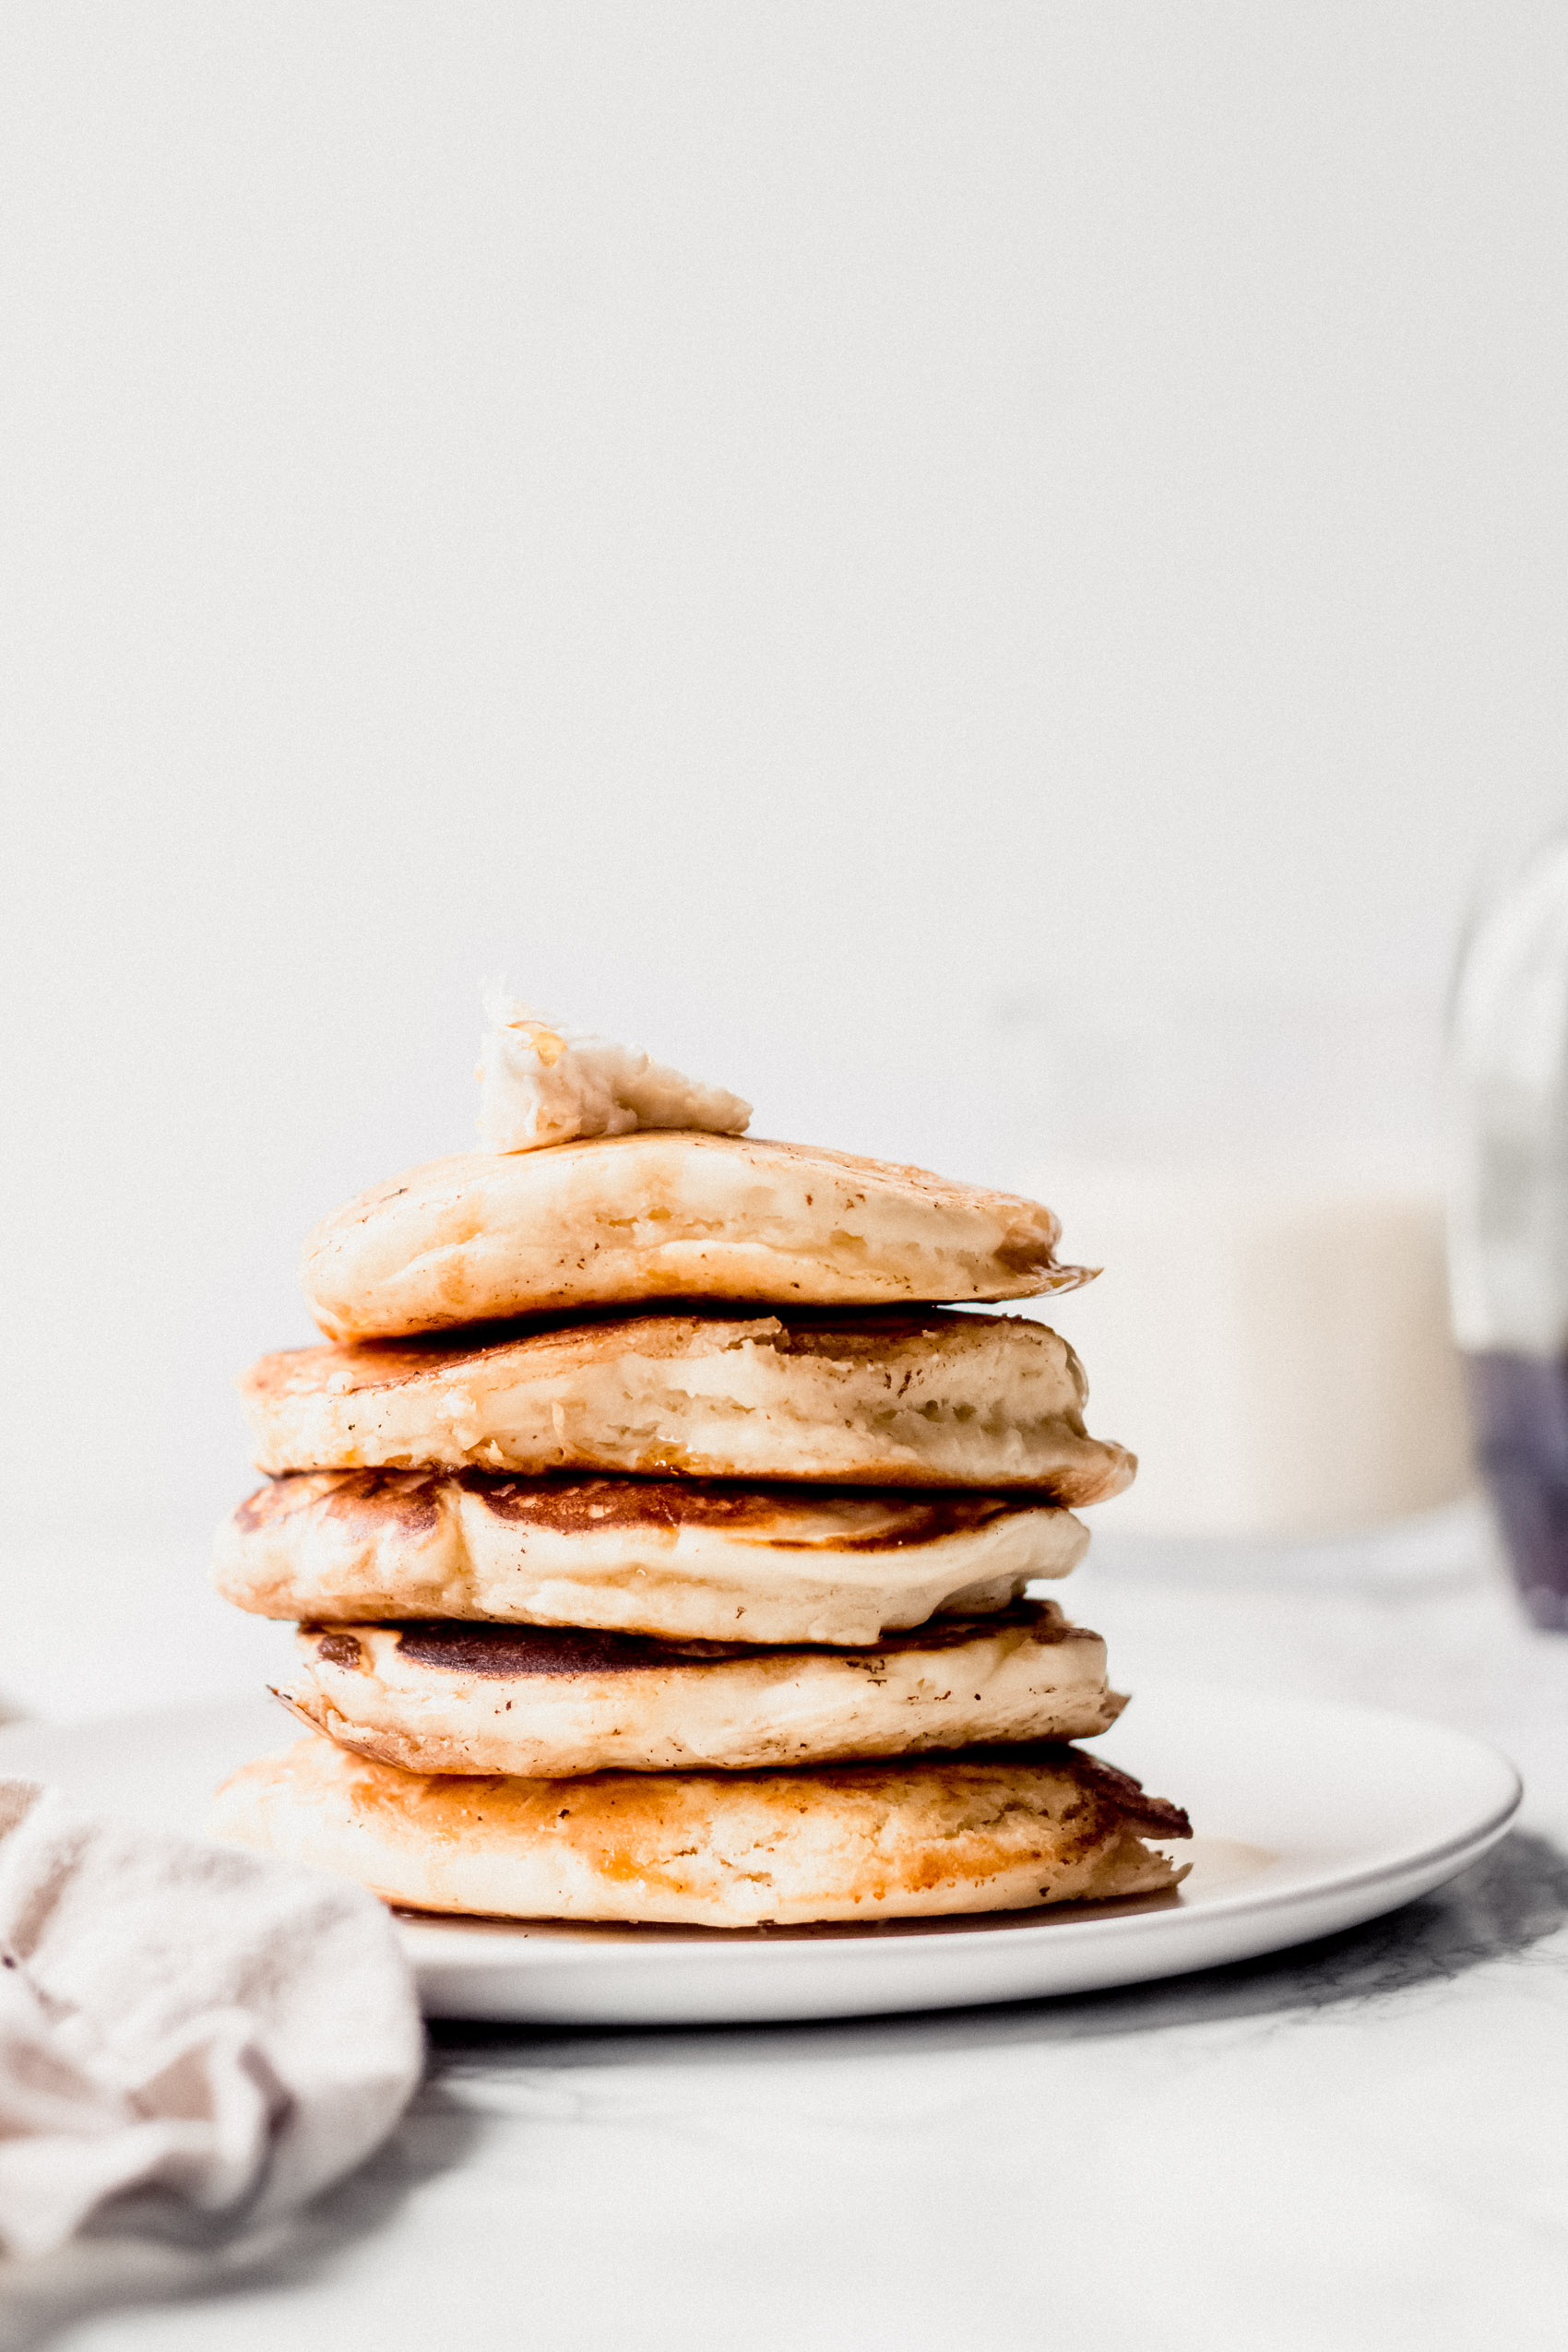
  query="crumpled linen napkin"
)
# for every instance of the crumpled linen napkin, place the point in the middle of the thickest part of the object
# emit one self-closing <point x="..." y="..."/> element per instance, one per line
<point x="226" y="2030"/>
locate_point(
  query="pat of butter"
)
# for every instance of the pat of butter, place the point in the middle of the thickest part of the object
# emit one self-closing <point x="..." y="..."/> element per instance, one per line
<point x="540" y="1084"/>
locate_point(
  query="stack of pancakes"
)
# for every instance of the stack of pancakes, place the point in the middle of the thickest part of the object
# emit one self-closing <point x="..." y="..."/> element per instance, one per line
<point x="660" y="1548"/>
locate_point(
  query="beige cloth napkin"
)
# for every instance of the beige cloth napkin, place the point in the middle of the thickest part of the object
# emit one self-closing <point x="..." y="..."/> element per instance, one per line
<point x="188" y="2019"/>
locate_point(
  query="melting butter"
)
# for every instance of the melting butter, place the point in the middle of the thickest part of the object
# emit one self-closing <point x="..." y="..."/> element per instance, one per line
<point x="542" y="1084"/>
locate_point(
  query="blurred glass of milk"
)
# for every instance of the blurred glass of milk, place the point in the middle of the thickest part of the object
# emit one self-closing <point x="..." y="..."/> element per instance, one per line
<point x="1270" y="1332"/>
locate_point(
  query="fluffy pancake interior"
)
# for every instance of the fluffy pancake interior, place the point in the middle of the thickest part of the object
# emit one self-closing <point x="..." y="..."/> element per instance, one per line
<point x="539" y="1702"/>
<point x="676" y="1558"/>
<point x="928" y="1399"/>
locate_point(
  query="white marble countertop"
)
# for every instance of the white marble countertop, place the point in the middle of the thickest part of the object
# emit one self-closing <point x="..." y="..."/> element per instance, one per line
<point x="1362" y="2143"/>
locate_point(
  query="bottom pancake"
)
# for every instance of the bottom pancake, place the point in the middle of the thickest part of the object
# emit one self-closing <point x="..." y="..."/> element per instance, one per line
<point x="1001" y="1832"/>
<point x="544" y="1701"/>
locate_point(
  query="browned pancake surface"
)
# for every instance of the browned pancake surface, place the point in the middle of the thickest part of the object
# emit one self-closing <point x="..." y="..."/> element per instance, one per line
<point x="508" y="1651"/>
<point x="849" y="1335"/>
<point x="568" y="1505"/>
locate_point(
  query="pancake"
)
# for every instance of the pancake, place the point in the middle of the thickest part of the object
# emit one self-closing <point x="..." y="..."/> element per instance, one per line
<point x="996" y="1831"/>
<point x="546" y="1701"/>
<point x="924" y="1399"/>
<point x="666" y="1214"/>
<point x="683" y="1558"/>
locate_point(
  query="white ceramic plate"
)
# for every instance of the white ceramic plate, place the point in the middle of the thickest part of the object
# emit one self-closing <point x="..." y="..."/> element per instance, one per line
<point x="1309" y="1818"/>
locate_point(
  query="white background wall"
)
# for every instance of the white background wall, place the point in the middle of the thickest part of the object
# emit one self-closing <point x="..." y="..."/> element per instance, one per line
<point x="783" y="527"/>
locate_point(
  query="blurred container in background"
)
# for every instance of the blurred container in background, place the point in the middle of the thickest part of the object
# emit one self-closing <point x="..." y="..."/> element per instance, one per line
<point x="1271" y="1330"/>
<point x="1508" y="1059"/>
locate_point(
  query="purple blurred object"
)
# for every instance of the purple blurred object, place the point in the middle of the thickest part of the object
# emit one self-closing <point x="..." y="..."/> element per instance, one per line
<point x="1508" y="1215"/>
<point x="1519" y="1406"/>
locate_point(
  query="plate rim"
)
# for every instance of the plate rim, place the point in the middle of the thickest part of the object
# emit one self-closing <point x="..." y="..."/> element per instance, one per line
<point x="651" y="1942"/>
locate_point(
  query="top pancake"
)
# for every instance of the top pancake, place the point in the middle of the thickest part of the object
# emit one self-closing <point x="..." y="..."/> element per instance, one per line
<point x="664" y="1214"/>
